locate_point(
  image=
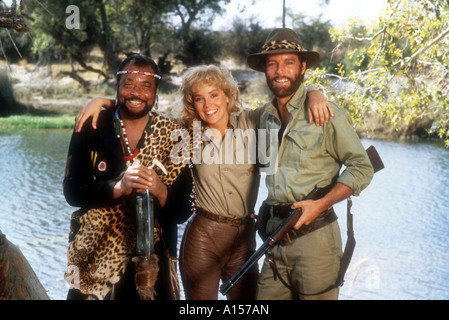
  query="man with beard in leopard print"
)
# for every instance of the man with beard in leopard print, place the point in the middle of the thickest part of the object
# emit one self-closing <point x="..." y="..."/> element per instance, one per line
<point x="107" y="167"/>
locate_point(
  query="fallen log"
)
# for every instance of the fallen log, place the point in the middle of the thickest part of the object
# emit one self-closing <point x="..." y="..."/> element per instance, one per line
<point x="17" y="279"/>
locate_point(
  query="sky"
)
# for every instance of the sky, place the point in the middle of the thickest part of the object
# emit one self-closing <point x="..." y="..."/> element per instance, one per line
<point x="269" y="12"/>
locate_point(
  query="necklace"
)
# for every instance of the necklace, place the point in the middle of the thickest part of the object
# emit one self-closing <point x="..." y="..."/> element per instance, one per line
<point x="125" y="138"/>
<point x="153" y="144"/>
<point x="132" y="155"/>
<point x="192" y="200"/>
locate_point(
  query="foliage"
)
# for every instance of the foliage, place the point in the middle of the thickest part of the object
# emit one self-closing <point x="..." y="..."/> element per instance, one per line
<point x="401" y="66"/>
<point x="244" y="38"/>
<point x="201" y="47"/>
<point x="138" y="24"/>
<point x="117" y="27"/>
<point x="314" y="35"/>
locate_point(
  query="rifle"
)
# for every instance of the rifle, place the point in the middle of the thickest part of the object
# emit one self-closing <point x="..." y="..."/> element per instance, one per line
<point x="290" y="222"/>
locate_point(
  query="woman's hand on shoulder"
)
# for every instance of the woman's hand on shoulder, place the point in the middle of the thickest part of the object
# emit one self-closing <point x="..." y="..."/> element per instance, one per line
<point x="92" y="109"/>
<point x="320" y="110"/>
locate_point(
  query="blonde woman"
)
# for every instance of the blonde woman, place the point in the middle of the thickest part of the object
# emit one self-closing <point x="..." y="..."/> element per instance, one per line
<point x="221" y="235"/>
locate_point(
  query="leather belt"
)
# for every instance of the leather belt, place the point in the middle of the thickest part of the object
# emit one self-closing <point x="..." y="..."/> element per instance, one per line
<point x="236" y="222"/>
<point x="283" y="211"/>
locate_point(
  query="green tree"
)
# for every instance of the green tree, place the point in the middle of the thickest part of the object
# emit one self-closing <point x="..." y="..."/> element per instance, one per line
<point x="53" y="40"/>
<point x="196" y="11"/>
<point x="140" y="24"/>
<point x="244" y="38"/>
<point x="199" y="44"/>
<point x="401" y="68"/>
<point x="314" y="35"/>
<point x="153" y="27"/>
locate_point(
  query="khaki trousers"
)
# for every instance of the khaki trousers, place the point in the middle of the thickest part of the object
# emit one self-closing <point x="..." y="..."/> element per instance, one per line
<point x="310" y="264"/>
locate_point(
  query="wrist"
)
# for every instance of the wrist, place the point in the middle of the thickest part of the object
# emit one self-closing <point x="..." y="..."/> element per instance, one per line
<point x="117" y="190"/>
<point x="323" y="204"/>
<point x="162" y="195"/>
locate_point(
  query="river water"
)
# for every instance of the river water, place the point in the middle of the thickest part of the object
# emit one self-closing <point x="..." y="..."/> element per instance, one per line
<point x="401" y="220"/>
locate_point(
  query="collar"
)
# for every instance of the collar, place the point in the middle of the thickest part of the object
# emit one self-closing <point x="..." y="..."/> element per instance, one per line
<point x="294" y="104"/>
<point x="233" y="121"/>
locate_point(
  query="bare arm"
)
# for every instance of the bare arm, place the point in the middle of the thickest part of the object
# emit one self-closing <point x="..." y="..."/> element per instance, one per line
<point x="312" y="208"/>
<point x="92" y="109"/>
<point x="318" y="107"/>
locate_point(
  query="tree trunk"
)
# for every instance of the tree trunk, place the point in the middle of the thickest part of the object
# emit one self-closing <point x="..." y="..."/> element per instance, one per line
<point x="105" y="41"/>
<point x="283" y="15"/>
<point x="17" y="279"/>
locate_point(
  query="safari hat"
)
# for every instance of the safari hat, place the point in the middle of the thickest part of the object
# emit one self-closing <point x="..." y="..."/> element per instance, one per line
<point x="282" y="40"/>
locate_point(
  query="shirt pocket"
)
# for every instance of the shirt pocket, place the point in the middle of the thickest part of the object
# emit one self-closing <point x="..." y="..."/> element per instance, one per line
<point x="303" y="148"/>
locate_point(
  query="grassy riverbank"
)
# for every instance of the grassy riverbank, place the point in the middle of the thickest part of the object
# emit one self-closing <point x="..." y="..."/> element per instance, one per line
<point x="37" y="122"/>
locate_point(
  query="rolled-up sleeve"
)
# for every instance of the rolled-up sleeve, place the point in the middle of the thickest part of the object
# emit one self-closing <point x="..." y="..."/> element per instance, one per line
<point x="344" y="144"/>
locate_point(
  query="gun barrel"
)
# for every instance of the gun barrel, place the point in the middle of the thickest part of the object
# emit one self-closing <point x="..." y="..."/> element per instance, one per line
<point x="271" y="241"/>
<point x="228" y="285"/>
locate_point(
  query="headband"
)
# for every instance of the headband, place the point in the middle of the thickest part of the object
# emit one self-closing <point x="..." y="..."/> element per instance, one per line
<point x="140" y="72"/>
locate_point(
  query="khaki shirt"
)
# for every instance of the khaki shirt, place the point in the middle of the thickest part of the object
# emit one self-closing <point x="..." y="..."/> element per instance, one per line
<point x="227" y="179"/>
<point x="311" y="156"/>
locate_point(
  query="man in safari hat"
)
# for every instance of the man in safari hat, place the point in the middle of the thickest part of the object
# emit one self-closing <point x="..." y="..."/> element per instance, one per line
<point x="306" y="263"/>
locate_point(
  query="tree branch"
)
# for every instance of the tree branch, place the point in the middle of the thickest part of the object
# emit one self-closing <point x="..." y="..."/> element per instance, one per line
<point x="370" y="38"/>
<point x="413" y="57"/>
<point x="16" y="23"/>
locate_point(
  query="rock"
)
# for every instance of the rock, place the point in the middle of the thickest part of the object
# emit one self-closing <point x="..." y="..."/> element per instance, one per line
<point x="17" y="279"/>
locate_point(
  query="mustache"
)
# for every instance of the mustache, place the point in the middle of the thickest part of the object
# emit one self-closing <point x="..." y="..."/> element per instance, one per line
<point x="275" y="78"/>
<point x="134" y="99"/>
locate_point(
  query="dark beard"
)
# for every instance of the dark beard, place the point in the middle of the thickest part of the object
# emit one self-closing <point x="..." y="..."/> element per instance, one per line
<point x="286" y="92"/>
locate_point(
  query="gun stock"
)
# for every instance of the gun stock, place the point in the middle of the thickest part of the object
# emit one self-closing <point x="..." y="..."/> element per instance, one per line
<point x="375" y="159"/>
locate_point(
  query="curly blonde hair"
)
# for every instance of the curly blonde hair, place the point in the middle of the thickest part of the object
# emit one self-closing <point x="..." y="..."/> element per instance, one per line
<point x="207" y="74"/>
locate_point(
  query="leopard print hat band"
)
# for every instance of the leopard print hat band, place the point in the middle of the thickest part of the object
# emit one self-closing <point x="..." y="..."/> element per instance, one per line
<point x="282" y="40"/>
<point x="281" y="44"/>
